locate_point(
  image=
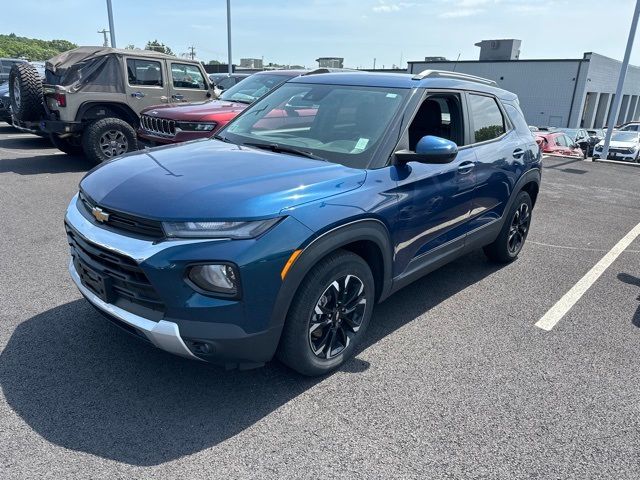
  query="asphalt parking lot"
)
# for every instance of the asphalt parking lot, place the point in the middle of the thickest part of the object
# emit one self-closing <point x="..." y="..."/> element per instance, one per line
<point x="455" y="381"/>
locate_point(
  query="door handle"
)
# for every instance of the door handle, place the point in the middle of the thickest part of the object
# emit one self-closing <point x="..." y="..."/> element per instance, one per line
<point x="137" y="95"/>
<point x="518" y="152"/>
<point x="466" y="167"/>
<point x="177" y="96"/>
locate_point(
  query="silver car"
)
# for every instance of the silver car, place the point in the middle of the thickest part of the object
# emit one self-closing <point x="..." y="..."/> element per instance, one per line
<point x="625" y="146"/>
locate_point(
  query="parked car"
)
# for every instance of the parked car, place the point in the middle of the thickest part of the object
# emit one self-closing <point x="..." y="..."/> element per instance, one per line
<point x="625" y="146"/>
<point x="92" y="96"/>
<point x="277" y="238"/>
<point x="5" y="67"/>
<point x="5" y="103"/>
<point x="629" y="127"/>
<point x="224" y="81"/>
<point x="163" y="124"/>
<point x="558" y="143"/>
<point x="580" y="137"/>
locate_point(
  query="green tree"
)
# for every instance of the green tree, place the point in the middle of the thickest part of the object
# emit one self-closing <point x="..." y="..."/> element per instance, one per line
<point x="156" y="46"/>
<point x="32" y="48"/>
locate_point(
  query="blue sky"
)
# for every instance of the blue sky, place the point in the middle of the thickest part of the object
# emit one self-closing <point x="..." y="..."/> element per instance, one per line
<point x="298" y="31"/>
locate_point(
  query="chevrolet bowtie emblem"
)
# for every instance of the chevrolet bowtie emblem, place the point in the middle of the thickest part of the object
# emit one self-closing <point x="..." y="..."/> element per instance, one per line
<point x="100" y="215"/>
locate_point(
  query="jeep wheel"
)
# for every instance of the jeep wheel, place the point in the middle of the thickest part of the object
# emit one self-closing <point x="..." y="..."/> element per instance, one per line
<point x="69" y="145"/>
<point x="107" y="138"/>
<point x="329" y="315"/>
<point x="25" y="92"/>
<point x="514" y="232"/>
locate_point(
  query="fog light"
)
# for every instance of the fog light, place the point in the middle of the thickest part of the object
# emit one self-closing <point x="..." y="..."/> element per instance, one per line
<point x="216" y="278"/>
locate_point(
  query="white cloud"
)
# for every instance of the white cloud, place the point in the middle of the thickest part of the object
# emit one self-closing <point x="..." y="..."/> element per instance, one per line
<point x="384" y="7"/>
<point x="464" y="12"/>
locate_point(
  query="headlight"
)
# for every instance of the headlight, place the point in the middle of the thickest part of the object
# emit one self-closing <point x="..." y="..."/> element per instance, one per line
<point x="235" y="230"/>
<point x="598" y="148"/>
<point x="215" y="278"/>
<point x="196" y="126"/>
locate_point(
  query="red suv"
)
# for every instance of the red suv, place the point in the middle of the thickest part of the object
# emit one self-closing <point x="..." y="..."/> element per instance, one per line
<point x="163" y="124"/>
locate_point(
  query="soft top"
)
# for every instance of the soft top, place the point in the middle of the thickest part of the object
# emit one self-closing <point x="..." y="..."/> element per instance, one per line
<point x="94" y="68"/>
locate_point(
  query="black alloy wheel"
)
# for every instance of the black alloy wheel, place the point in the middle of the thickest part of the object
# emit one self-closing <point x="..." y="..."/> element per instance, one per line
<point x="337" y="316"/>
<point x="519" y="228"/>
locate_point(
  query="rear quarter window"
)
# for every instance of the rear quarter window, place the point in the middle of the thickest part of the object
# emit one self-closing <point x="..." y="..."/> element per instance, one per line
<point x="488" y="122"/>
<point x="517" y="118"/>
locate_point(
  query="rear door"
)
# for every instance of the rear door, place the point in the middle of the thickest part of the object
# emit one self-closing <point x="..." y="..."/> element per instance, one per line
<point x="146" y="83"/>
<point x="500" y="153"/>
<point x="187" y="83"/>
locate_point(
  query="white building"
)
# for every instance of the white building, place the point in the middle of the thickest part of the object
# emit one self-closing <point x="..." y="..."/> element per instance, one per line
<point x="557" y="92"/>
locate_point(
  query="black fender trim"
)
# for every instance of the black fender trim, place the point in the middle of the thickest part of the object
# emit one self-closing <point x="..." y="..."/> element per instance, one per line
<point x="118" y="107"/>
<point x="369" y="229"/>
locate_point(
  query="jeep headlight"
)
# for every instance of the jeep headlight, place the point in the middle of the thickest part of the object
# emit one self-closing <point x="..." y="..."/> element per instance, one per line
<point x="233" y="230"/>
<point x="196" y="126"/>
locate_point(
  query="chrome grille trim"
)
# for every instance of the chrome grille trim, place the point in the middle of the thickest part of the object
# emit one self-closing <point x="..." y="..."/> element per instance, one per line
<point x="158" y="126"/>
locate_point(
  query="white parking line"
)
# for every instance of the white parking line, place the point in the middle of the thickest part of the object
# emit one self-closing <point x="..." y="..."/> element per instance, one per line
<point x="560" y="309"/>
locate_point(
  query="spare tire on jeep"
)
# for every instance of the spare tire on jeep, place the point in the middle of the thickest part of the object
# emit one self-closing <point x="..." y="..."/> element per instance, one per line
<point x="25" y="92"/>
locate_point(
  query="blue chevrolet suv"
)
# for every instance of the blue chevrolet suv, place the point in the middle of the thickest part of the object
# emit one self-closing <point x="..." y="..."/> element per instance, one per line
<point x="278" y="236"/>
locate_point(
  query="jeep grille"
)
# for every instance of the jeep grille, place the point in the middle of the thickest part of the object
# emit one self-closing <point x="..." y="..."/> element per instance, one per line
<point x="158" y="126"/>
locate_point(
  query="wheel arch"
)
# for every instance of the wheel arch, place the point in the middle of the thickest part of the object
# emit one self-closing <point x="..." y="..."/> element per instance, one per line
<point x="368" y="238"/>
<point x="92" y="111"/>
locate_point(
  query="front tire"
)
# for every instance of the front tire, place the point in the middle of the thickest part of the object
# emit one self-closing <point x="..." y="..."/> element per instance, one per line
<point x="510" y="241"/>
<point x="108" y="138"/>
<point x="329" y="315"/>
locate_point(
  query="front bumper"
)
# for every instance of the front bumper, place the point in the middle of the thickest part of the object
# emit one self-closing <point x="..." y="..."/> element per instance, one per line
<point x="164" y="335"/>
<point x="238" y="333"/>
<point x="624" y="157"/>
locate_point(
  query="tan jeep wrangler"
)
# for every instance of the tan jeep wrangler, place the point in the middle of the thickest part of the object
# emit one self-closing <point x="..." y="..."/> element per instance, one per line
<point x="91" y="97"/>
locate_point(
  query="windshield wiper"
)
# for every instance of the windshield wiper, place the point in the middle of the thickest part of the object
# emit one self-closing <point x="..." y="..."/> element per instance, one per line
<point x="217" y="136"/>
<point x="274" y="147"/>
<point x="246" y="102"/>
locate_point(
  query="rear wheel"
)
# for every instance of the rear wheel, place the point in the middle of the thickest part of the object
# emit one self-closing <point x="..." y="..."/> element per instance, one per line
<point x="329" y="315"/>
<point x="70" y="145"/>
<point x="108" y="138"/>
<point x="510" y="241"/>
<point x="25" y="92"/>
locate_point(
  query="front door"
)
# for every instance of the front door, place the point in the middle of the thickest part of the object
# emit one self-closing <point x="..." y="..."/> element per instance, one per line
<point x="434" y="200"/>
<point x="187" y="83"/>
<point x="146" y="83"/>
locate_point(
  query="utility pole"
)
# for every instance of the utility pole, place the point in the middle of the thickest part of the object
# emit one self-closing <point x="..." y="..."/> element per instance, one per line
<point x="192" y="52"/>
<point x="111" y="29"/>
<point x="230" y="62"/>
<point x="104" y="32"/>
<point x="613" y="114"/>
<point x="374" y="63"/>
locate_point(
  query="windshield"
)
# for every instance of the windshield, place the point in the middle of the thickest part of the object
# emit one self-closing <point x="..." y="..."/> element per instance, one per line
<point x="252" y="88"/>
<point x="624" y="136"/>
<point x="338" y="123"/>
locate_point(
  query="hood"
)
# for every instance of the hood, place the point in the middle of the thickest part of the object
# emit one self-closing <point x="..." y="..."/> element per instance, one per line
<point x="619" y="144"/>
<point x="209" y="179"/>
<point x="195" y="111"/>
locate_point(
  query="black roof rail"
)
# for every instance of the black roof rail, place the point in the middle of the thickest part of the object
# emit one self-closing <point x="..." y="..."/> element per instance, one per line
<point x="456" y="75"/>
<point x="328" y="70"/>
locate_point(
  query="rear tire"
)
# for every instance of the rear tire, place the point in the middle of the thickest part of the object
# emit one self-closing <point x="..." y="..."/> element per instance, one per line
<point x="108" y="138"/>
<point x="68" y="145"/>
<point x="329" y="315"/>
<point x="25" y="92"/>
<point x="508" y="245"/>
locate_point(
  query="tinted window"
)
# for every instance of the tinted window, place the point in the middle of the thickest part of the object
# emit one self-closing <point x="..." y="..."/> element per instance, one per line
<point x="518" y="120"/>
<point x="488" y="122"/>
<point x="253" y="87"/>
<point x="226" y="83"/>
<point x="187" y="76"/>
<point x="144" y="72"/>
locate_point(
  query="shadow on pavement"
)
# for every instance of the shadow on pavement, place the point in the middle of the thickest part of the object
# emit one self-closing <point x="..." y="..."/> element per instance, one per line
<point x="84" y="385"/>
<point x="34" y="165"/>
<point x="631" y="280"/>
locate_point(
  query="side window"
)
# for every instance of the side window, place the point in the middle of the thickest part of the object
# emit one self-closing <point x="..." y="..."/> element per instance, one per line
<point x="226" y="83"/>
<point x="568" y="141"/>
<point x="187" y="76"/>
<point x="488" y="122"/>
<point x="517" y="118"/>
<point x="144" y="72"/>
<point x="440" y="116"/>
<point x="561" y="141"/>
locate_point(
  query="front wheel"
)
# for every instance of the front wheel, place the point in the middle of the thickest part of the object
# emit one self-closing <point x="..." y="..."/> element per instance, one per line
<point x="510" y="241"/>
<point x="329" y="315"/>
<point x="108" y="138"/>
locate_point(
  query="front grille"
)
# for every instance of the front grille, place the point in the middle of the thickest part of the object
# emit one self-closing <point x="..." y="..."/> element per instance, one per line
<point x="114" y="278"/>
<point x="145" y="227"/>
<point x="623" y="151"/>
<point x="158" y="126"/>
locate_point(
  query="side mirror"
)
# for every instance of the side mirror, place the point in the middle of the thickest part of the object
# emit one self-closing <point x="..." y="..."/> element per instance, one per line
<point x="430" y="149"/>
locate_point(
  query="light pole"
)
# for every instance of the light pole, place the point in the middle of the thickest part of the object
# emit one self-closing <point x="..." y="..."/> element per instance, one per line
<point x="112" y="31"/>
<point x="230" y="66"/>
<point x="613" y="114"/>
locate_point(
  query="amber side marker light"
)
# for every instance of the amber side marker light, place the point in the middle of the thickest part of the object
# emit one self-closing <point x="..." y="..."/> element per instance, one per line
<point x="290" y="262"/>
